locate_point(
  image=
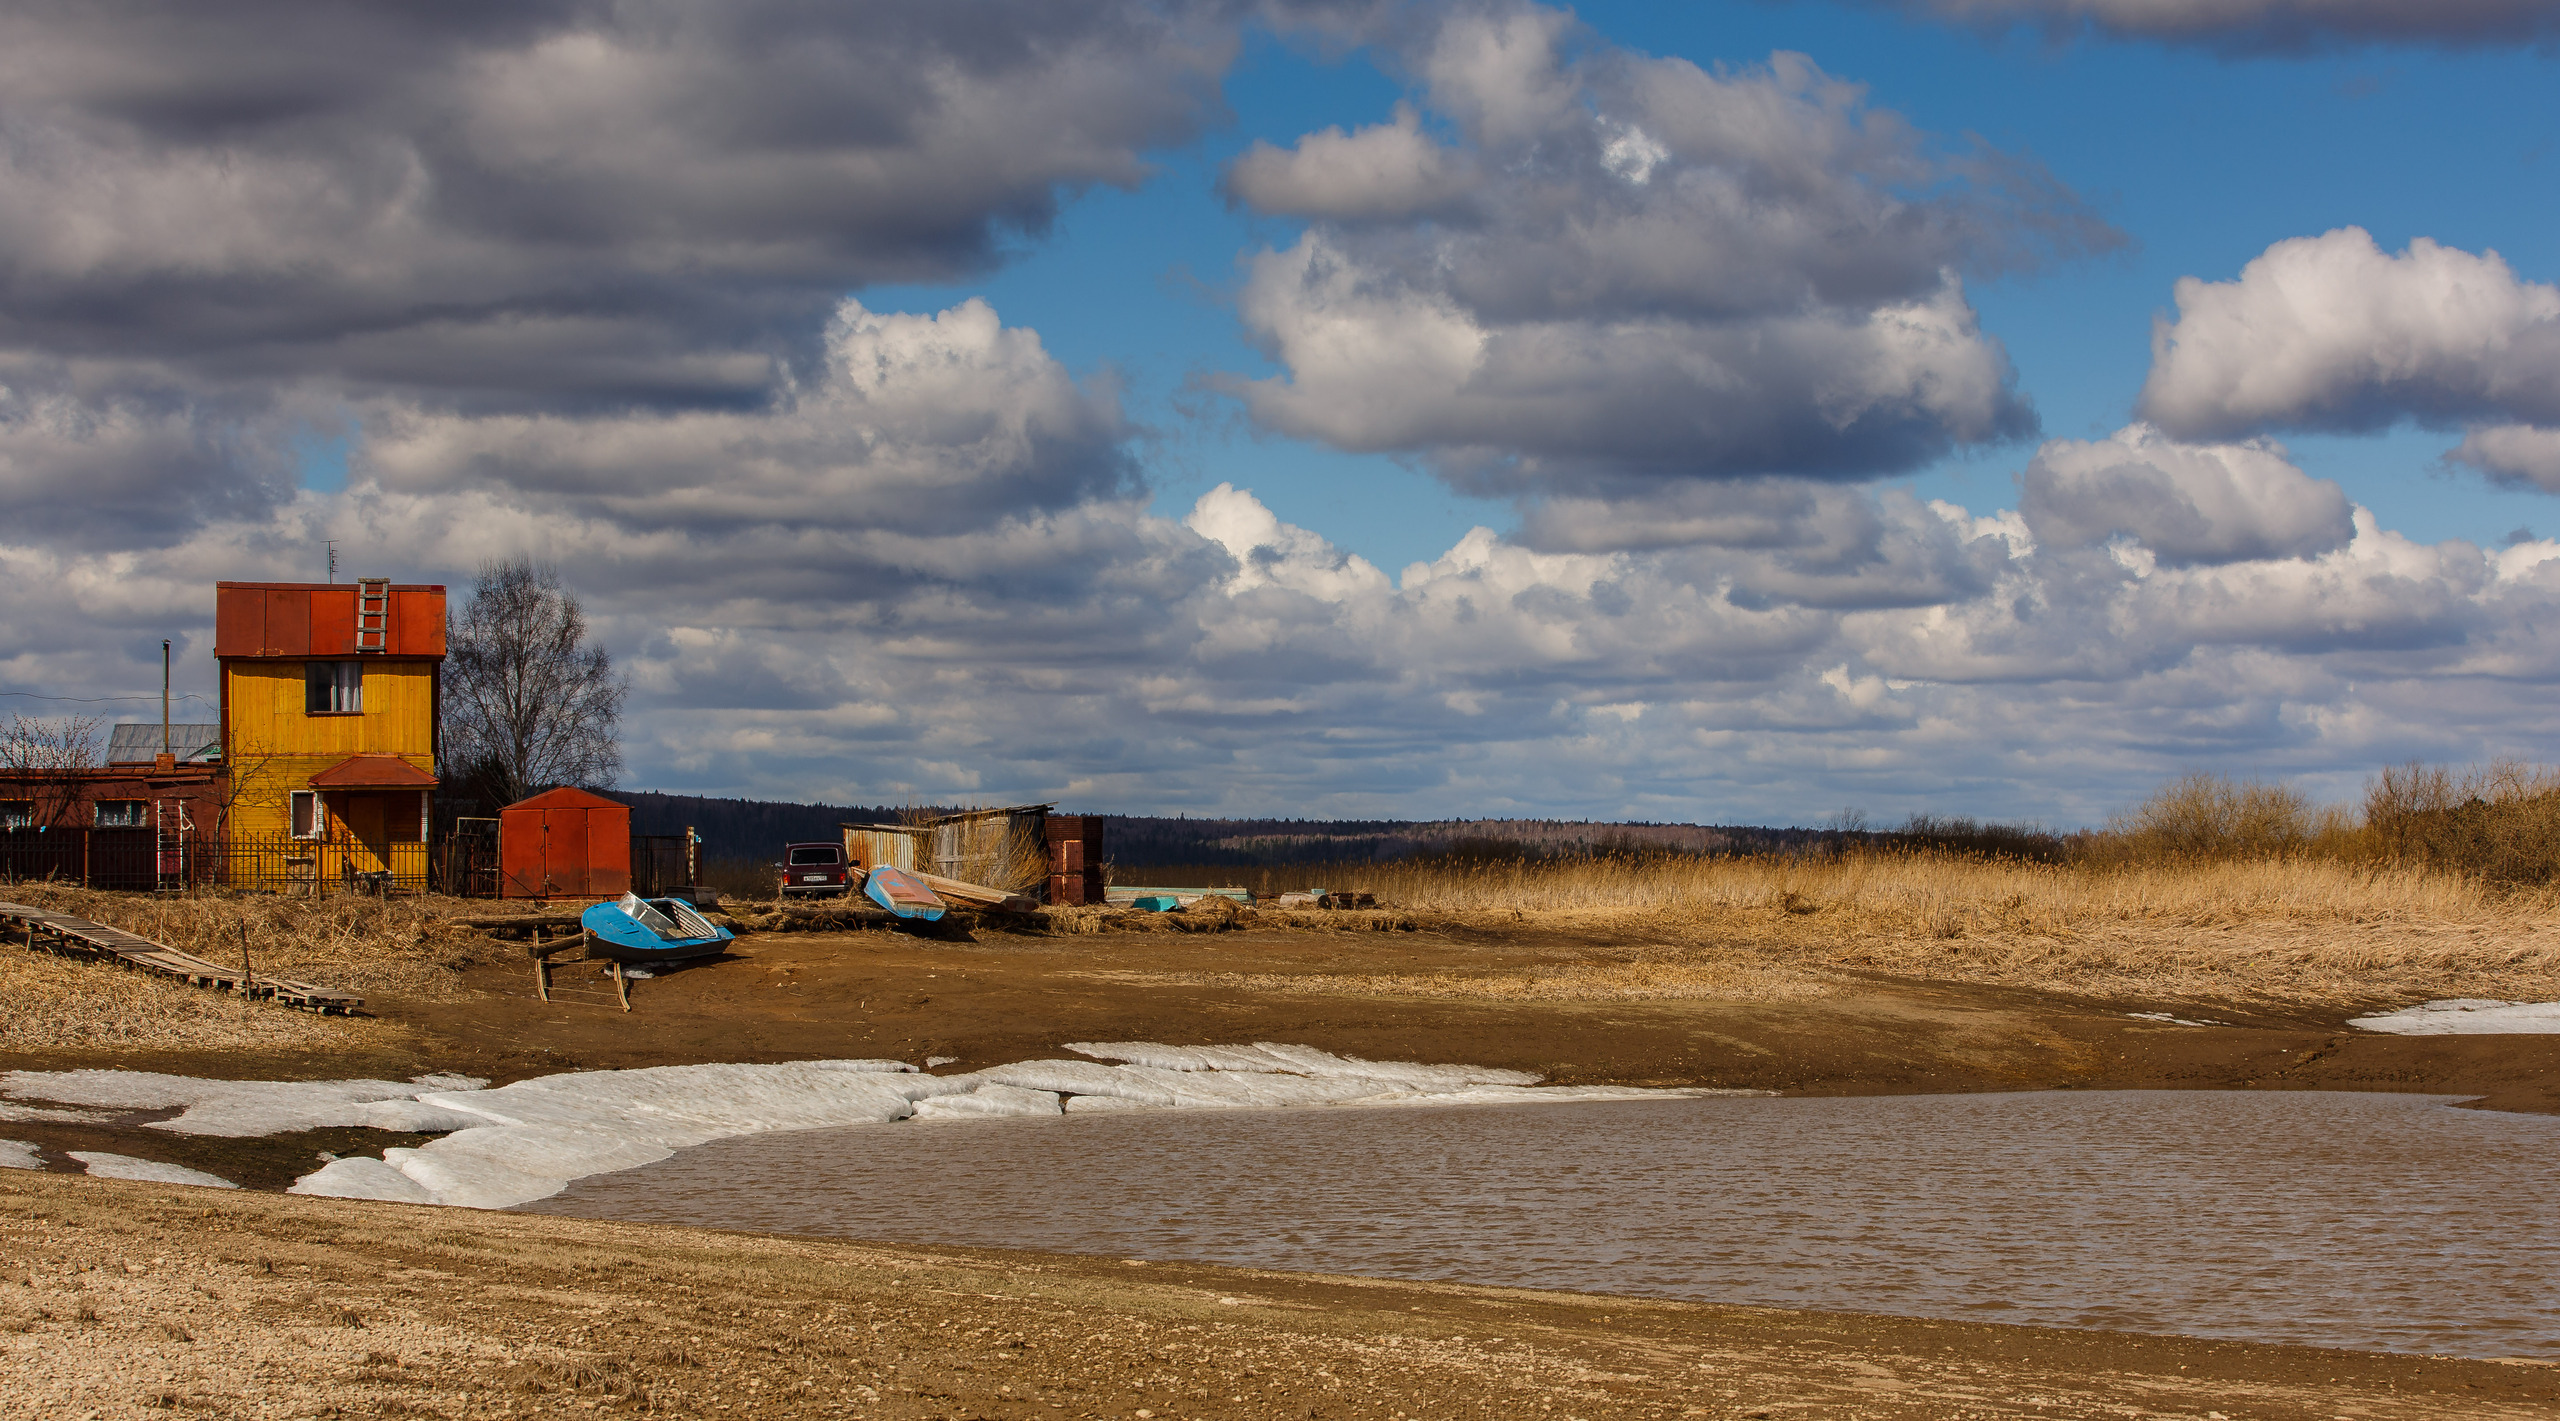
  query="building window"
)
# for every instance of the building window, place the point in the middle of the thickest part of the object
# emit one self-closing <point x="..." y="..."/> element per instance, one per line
<point x="17" y="814"/>
<point x="332" y="687"/>
<point x="306" y="813"/>
<point x="121" y="813"/>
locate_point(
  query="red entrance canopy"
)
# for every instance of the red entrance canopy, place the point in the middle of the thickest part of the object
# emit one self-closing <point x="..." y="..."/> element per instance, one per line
<point x="373" y="772"/>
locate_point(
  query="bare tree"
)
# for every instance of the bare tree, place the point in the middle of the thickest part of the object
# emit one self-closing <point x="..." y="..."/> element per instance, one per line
<point x="529" y="703"/>
<point x="46" y="761"/>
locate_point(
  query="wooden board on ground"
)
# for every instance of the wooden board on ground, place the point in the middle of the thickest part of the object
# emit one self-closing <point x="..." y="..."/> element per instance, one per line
<point x="976" y="895"/>
<point x="66" y="935"/>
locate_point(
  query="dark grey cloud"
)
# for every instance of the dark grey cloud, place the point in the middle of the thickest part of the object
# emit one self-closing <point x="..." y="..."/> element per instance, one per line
<point x="2187" y="504"/>
<point x="913" y="424"/>
<point x="2519" y="455"/>
<point x="1577" y="271"/>
<point x="2267" y="26"/>
<point x="651" y="201"/>
<point x="135" y="470"/>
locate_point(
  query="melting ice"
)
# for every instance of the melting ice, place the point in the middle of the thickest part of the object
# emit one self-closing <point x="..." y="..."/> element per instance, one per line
<point x="2465" y="1016"/>
<point x="527" y="1141"/>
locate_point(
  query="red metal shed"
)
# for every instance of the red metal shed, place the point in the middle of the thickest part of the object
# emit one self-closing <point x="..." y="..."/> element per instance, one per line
<point x="564" y="843"/>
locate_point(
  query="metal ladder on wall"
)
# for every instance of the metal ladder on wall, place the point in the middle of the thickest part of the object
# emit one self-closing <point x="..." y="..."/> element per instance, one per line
<point x="373" y="613"/>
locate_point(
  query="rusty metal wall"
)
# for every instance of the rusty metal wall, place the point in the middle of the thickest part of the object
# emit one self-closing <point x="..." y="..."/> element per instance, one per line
<point x="576" y="851"/>
<point x="869" y="846"/>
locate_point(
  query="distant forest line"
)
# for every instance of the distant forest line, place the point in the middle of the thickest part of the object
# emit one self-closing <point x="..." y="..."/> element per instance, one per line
<point x="748" y="830"/>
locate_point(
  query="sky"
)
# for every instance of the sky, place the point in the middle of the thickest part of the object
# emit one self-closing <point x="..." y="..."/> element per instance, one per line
<point x="1725" y="412"/>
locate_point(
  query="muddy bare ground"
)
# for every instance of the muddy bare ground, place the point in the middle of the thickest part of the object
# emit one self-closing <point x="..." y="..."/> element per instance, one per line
<point x="122" y="1299"/>
<point x="1008" y="998"/>
<point x="456" y="1313"/>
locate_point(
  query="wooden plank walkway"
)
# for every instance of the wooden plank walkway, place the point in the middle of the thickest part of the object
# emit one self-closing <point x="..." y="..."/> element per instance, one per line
<point x="68" y="936"/>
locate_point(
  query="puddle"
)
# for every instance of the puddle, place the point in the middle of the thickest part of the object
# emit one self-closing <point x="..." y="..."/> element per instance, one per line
<point x="2368" y="1221"/>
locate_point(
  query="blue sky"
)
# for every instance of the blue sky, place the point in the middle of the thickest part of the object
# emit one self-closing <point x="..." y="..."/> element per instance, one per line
<point x="2201" y="159"/>
<point x="1030" y="400"/>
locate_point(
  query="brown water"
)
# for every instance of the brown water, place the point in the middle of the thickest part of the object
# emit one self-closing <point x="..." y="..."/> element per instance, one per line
<point x="2369" y="1221"/>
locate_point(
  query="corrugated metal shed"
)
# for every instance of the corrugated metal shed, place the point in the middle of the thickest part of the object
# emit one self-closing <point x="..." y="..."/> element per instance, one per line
<point x="870" y="846"/>
<point x="564" y="843"/>
<point x="139" y="744"/>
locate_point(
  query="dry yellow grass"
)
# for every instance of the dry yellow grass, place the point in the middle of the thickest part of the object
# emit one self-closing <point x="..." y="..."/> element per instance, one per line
<point x="363" y="945"/>
<point x="2296" y="929"/>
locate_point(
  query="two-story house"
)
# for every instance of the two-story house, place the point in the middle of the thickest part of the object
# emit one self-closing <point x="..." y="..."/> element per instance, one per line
<point x="329" y="725"/>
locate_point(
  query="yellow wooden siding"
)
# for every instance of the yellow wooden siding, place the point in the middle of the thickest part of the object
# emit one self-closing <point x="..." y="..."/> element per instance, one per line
<point x="275" y="747"/>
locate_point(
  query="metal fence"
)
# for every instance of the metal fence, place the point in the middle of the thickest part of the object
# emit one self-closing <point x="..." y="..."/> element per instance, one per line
<point x="279" y="863"/>
<point x="91" y="858"/>
<point x="660" y="862"/>
<point x="464" y="862"/>
<point x="143" y="860"/>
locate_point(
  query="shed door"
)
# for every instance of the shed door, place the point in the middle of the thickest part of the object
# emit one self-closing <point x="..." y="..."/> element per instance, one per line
<point x="608" y="855"/>
<point x="564" y="850"/>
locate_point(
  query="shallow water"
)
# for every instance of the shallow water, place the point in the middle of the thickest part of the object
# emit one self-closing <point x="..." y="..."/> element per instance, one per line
<point x="2370" y="1221"/>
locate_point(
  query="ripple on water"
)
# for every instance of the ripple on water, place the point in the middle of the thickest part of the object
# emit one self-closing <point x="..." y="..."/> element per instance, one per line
<point x="2370" y="1221"/>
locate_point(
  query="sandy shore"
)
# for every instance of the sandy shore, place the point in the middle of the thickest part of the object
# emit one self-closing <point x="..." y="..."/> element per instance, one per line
<point x="124" y="1299"/>
<point x="258" y="1304"/>
<point x="1579" y="1008"/>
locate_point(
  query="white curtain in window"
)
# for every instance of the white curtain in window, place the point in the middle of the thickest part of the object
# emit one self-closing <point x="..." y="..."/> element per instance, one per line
<point x="333" y="687"/>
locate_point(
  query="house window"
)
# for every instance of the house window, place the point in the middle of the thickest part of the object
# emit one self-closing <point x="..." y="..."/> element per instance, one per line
<point x="121" y="813"/>
<point x="17" y="814"/>
<point x="306" y="813"/>
<point x="332" y="687"/>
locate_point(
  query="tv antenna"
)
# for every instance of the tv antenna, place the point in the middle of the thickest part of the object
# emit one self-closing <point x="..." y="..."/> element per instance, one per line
<point x="333" y="560"/>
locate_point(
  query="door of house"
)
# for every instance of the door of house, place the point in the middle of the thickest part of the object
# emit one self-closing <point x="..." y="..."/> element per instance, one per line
<point x="369" y="846"/>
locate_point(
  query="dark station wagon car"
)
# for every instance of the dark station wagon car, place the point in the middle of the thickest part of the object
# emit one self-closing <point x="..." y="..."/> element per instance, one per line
<point x="813" y="870"/>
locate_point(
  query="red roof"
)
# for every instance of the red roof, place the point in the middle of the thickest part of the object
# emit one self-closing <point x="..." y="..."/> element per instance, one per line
<point x="567" y="798"/>
<point x="373" y="772"/>
<point x="299" y="620"/>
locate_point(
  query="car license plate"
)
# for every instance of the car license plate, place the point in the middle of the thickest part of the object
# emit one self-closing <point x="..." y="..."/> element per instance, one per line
<point x="813" y="878"/>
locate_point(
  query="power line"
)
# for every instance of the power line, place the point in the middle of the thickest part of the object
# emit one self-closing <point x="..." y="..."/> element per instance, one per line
<point x="101" y="700"/>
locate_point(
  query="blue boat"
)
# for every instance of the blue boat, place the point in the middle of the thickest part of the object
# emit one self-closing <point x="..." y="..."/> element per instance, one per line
<point x="902" y="893"/>
<point x="637" y="929"/>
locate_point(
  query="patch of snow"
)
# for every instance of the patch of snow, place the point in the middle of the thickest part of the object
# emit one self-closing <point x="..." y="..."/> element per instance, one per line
<point x="150" y="1171"/>
<point x="54" y="1117"/>
<point x="932" y="1061"/>
<point x="989" y="1099"/>
<point x="533" y="1137"/>
<point x="18" y="1154"/>
<point x="1279" y="1057"/>
<point x="243" y="1108"/>
<point x="528" y="1140"/>
<point x="363" y="1177"/>
<point x="2465" y="1016"/>
<point x="2162" y="1016"/>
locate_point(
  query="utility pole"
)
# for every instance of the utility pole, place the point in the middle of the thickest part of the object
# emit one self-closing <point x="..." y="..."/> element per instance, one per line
<point x="164" y="696"/>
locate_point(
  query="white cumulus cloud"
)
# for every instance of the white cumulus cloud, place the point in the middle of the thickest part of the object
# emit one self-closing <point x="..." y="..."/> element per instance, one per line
<point x="1616" y="270"/>
<point x="2332" y="333"/>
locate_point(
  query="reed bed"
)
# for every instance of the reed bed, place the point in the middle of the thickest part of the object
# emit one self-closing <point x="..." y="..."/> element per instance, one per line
<point x="1949" y="895"/>
<point x="2299" y="929"/>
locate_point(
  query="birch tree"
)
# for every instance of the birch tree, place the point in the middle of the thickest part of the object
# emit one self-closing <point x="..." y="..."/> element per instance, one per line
<point x="529" y="702"/>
